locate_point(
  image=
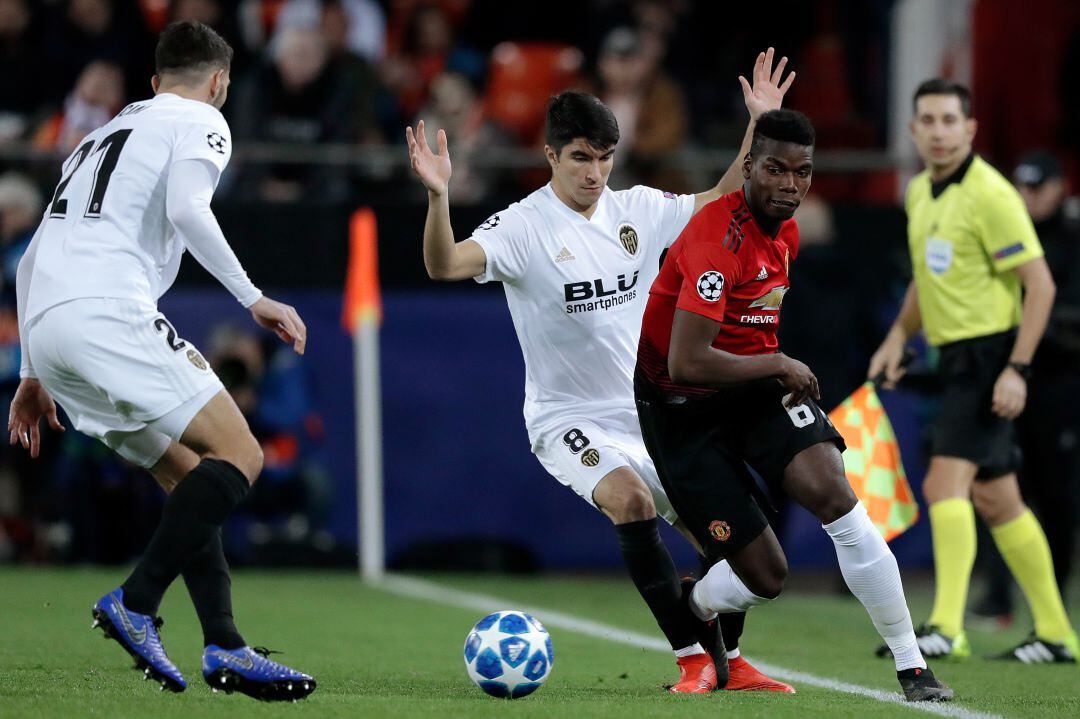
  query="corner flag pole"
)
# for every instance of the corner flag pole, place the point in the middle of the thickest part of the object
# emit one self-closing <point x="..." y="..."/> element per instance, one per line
<point x="362" y="316"/>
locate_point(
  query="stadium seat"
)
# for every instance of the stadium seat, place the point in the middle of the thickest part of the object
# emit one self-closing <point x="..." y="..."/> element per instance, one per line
<point x="522" y="78"/>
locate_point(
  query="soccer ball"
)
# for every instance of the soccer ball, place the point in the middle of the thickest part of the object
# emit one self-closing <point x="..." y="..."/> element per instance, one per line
<point x="508" y="654"/>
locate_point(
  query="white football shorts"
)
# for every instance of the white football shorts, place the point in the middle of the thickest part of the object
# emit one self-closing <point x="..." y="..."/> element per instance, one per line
<point x="580" y="452"/>
<point x="121" y="372"/>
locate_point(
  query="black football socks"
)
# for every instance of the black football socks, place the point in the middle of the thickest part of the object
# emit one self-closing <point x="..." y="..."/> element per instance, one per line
<point x="731" y="624"/>
<point x="193" y="513"/>
<point x="653" y="573"/>
<point x="209" y="584"/>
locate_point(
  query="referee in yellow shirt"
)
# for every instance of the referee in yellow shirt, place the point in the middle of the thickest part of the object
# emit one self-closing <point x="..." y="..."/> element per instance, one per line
<point x="982" y="293"/>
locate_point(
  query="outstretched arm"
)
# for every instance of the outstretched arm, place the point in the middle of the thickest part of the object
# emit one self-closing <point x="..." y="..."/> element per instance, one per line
<point x="32" y="401"/>
<point x="766" y="93"/>
<point x="187" y="205"/>
<point x="444" y="258"/>
<point x="22" y="292"/>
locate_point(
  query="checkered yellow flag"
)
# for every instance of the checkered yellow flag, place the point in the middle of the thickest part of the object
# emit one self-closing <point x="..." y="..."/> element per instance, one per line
<point x="872" y="462"/>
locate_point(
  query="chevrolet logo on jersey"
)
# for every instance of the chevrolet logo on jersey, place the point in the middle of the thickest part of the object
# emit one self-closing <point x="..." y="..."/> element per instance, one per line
<point x="771" y="301"/>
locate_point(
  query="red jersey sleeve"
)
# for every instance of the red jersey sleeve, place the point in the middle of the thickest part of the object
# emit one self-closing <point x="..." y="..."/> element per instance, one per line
<point x="708" y="269"/>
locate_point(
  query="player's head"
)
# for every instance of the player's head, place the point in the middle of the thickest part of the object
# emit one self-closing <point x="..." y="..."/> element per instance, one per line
<point x="778" y="168"/>
<point x="192" y="56"/>
<point x="581" y="138"/>
<point x="942" y="126"/>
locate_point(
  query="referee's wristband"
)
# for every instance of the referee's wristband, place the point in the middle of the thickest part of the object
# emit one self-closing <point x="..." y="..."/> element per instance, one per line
<point x="1022" y="368"/>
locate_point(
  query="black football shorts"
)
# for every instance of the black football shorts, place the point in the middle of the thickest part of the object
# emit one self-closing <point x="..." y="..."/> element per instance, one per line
<point x="966" y="426"/>
<point x="702" y="446"/>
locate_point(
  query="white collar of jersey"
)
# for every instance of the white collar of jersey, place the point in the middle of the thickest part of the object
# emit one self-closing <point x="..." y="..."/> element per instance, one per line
<point x="173" y="97"/>
<point x="549" y="192"/>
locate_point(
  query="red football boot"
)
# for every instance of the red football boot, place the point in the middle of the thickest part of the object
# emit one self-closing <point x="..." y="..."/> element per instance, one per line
<point x="697" y="675"/>
<point x="745" y="678"/>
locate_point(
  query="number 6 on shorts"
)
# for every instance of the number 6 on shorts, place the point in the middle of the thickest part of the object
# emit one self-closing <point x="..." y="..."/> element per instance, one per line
<point x="800" y="414"/>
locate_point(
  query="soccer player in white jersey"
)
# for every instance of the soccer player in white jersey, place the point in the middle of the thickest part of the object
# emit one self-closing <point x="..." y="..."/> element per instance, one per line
<point x="133" y="196"/>
<point x="576" y="260"/>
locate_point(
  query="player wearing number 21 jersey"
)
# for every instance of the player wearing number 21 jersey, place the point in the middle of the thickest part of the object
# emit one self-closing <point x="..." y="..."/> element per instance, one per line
<point x="131" y="199"/>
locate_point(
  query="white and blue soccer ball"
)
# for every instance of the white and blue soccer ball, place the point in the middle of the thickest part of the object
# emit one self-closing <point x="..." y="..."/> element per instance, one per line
<point x="508" y="654"/>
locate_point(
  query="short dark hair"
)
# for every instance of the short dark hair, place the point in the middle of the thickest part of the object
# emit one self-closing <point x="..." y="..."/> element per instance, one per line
<point x="189" y="47"/>
<point x="783" y="126"/>
<point x="941" y="86"/>
<point x="574" y="114"/>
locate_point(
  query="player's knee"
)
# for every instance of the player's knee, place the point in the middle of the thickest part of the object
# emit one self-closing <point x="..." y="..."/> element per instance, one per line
<point x="827" y="498"/>
<point x="836" y="506"/>
<point x="768" y="578"/>
<point x="995" y="508"/>
<point x="768" y="586"/>
<point x="632" y="504"/>
<point x="247" y="456"/>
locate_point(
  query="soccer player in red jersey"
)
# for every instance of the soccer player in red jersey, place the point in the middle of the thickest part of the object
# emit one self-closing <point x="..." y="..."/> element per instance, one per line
<point x="714" y="396"/>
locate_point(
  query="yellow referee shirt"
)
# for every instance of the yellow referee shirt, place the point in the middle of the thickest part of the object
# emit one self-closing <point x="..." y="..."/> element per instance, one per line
<point x="965" y="233"/>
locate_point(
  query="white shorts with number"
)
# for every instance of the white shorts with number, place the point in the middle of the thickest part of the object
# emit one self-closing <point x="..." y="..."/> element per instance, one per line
<point x="580" y="452"/>
<point x="121" y="373"/>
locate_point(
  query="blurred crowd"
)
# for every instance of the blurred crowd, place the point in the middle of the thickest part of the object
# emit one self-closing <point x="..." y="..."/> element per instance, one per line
<point x="355" y="72"/>
<point x="358" y="71"/>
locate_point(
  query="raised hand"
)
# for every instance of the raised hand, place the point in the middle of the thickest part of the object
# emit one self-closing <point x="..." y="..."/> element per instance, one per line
<point x="433" y="170"/>
<point x="767" y="92"/>
<point x="31" y="402"/>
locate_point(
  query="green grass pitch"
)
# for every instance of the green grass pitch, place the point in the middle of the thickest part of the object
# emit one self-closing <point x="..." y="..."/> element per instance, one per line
<point x="380" y="655"/>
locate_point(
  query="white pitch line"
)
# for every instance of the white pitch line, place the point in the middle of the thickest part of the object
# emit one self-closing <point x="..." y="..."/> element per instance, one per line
<point x="440" y="594"/>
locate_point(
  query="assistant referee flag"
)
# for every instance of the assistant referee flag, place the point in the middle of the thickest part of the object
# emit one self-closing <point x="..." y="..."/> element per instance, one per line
<point x="872" y="462"/>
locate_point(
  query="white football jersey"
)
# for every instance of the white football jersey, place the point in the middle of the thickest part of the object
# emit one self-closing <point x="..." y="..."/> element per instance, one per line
<point x="577" y="290"/>
<point x="105" y="232"/>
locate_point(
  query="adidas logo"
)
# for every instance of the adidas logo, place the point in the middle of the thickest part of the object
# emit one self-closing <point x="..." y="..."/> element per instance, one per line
<point x="763" y="275"/>
<point x="564" y="255"/>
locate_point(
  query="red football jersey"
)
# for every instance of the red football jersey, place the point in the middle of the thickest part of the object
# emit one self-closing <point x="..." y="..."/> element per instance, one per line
<point x="725" y="268"/>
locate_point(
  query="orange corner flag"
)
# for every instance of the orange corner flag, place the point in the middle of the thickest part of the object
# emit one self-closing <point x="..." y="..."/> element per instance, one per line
<point x="362" y="298"/>
<point x="872" y="462"/>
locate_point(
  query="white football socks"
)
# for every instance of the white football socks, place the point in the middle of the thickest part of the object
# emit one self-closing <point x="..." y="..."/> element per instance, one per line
<point x="691" y="650"/>
<point x="870" y="570"/>
<point x="721" y="591"/>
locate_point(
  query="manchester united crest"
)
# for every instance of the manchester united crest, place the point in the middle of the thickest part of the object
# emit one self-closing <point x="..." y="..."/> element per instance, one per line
<point x="720" y="530"/>
<point x="628" y="238"/>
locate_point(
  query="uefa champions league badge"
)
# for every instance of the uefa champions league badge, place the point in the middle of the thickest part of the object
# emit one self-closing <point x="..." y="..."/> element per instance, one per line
<point x="939" y="255"/>
<point x="710" y="286"/>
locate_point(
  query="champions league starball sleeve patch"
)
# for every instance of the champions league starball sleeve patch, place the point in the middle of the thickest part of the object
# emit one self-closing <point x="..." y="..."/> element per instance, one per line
<point x="216" y="142"/>
<point x="710" y="286"/>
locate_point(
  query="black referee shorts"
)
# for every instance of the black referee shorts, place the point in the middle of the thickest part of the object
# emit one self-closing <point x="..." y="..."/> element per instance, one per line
<point x="966" y="426"/>
<point x="701" y="448"/>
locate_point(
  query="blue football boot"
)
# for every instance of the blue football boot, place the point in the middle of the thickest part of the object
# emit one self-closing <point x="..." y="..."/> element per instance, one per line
<point x="138" y="635"/>
<point x="247" y="670"/>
